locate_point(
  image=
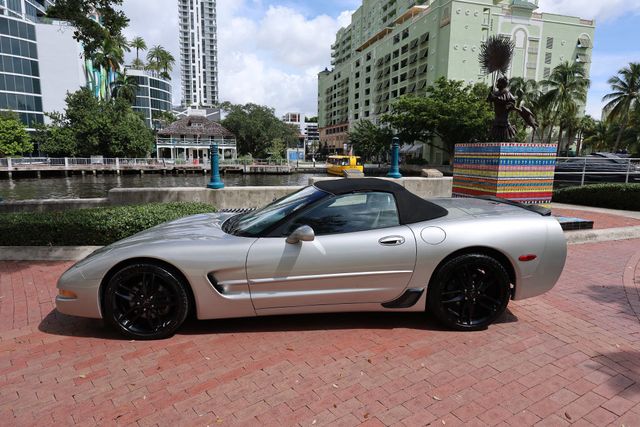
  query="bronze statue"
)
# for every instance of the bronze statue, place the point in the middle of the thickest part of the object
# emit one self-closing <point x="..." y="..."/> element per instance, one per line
<point x="503" y="103"/>
<point x="495" y="58"/>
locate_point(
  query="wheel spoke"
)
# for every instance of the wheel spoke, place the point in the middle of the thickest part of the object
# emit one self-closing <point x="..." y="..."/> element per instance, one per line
<point x="454" y="300"/>
<point x="493" y="301"/>
<point x="125" y="297"/>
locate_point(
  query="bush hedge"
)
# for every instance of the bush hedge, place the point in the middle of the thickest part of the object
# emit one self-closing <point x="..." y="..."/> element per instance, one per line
<point x="89" y="227"/>
<point x="612" y="196"/>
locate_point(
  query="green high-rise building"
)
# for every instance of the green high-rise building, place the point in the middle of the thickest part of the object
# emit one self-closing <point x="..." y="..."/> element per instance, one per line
<point x="397" y="47"/>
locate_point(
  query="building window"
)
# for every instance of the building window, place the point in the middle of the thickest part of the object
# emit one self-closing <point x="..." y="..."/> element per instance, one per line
<point x="549" y="42"/>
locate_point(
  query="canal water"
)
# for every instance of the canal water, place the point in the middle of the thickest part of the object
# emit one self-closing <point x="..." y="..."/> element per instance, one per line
<point x="90" y="186"/>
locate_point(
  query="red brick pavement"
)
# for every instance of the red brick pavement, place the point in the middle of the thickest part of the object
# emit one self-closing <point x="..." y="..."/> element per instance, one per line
<point x="600" y="220"/>
<point x="569" y="357"/>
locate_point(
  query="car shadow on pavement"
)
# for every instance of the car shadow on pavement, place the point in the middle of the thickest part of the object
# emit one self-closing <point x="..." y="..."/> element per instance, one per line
<point x="56" y="323"/>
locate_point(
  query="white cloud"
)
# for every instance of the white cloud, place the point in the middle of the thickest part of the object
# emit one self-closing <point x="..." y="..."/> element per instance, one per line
<point x="603" y="67"/>
<point x="267" y="55"/>
<point x="589" y="9"/>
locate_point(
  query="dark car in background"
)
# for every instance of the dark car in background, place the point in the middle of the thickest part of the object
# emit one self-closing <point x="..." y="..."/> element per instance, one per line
<point x="598" y="167"/>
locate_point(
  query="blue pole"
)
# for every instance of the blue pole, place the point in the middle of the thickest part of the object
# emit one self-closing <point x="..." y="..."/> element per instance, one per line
<point x="216" y="183"/>
<point x="394" y="171"/>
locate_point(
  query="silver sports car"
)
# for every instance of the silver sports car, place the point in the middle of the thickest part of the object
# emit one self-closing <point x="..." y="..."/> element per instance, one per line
<point x="341" y="245"/>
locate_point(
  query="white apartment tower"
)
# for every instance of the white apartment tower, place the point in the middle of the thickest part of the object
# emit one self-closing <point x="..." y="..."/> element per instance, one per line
<point x="198" y="53"/>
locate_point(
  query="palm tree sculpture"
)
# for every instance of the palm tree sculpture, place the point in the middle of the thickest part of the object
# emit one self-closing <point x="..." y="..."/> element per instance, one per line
<point x="567" y="85"/>
<point x="624" y="98"/>
<point x="138" y="44"/>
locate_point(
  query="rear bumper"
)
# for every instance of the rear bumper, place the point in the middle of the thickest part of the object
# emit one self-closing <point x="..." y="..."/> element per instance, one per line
<point x="550" y="266"/>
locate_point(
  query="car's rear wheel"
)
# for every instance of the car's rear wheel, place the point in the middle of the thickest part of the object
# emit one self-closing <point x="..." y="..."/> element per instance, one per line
<point x="469" y="292"/>
<point x="146" y="301"/>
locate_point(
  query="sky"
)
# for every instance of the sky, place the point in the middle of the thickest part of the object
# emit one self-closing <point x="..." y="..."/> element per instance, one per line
<point x="270" y="51"/>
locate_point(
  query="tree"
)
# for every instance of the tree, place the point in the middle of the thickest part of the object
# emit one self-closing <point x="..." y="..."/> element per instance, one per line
<point x="110" y="55"/>
<point x="369" y="140"/>
<point x="276" y="149"/>
<point x="125" y="87"/>
<point x="160" y="61"/>
<point x="88" y="31"/>
<point x="596" y="137"/>
<point x="14" y="138"/>
<point x="138" y="44"/>
<point x="525" y="90"/>
<point x="255" y="128"/>
<point x="624" y="98"/>
<point x="90" y="126"/>
<point x="568" y="86"/>
<point x="451" y="111"/>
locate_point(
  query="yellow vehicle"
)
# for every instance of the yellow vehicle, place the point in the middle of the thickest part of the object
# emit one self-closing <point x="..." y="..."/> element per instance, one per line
<point x="341" y="165"/>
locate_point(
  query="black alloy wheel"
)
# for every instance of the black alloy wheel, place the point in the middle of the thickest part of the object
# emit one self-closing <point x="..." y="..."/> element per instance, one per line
<point x="469" y="292"/>
<point x="146" y="301"/>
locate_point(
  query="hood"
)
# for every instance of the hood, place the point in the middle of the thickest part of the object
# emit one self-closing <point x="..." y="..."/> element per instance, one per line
<point x="196" y="227"/>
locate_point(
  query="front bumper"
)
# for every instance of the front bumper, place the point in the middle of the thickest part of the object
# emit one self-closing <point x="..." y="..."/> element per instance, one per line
<point x="86" y="302"/>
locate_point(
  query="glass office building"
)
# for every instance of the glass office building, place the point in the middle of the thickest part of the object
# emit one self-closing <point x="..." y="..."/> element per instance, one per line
<point x="153" y="95"/>
<point x="20" y="86"/>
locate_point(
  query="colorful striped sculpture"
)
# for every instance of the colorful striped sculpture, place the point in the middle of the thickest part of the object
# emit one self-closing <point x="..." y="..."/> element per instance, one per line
<point x="516" y="171"/>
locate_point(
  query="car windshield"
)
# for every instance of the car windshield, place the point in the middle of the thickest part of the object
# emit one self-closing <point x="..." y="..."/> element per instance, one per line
<point x="253" y="224"/>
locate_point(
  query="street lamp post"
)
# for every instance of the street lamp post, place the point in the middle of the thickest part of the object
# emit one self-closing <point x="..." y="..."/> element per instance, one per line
<point x="394" y="171"/>
<point x="216" y="183"/>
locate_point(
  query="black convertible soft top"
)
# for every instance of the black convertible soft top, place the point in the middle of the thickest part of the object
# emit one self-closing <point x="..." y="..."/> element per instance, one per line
<point x="411" y="208"/>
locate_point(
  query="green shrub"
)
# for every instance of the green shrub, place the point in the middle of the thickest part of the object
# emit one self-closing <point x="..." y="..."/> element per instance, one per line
<point x="612" y="196"/>
<point x="89" y="227"/>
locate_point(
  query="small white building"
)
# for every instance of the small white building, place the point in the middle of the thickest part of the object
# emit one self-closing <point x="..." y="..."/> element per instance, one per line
<point x="189" y="139"/>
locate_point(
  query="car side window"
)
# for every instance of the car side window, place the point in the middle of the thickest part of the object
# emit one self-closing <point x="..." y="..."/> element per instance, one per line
<point x="348" y="213"/>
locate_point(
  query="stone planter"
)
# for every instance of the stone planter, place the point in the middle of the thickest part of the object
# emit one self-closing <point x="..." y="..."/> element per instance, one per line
<point x="516" y="171"/>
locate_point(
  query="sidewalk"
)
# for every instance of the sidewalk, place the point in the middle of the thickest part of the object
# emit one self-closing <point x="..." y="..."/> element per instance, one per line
<point x="571" y="356"/>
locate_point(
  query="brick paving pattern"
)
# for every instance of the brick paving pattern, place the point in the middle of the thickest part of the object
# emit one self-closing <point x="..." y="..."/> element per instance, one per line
<point x="569" y="357"/>
<point x="601" y="220"/>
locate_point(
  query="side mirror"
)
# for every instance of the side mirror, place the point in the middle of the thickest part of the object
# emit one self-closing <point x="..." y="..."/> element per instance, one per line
<point x="301" y="234"/>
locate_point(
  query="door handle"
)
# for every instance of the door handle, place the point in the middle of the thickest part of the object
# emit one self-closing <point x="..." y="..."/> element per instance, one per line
<point x="391" y="241"/>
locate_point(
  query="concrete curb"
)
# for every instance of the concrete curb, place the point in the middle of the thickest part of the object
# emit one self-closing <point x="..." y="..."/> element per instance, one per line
<point x="76" y="253"/>
<point x="45" y="253"/>
<point x="607" y="235"/>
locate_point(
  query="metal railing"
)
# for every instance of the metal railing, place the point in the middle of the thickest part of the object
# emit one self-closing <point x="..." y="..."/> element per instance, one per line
<point x="205" y="142"/>
<point x="597" y="169"/>
<point x="43" y="163"/>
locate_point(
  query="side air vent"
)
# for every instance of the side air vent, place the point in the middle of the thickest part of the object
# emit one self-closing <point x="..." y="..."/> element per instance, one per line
<point x="214" y="283"/>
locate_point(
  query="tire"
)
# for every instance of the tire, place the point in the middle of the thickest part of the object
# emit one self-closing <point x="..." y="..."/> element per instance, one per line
<point x="469" y="292"/>
<point x="146" y="301"/>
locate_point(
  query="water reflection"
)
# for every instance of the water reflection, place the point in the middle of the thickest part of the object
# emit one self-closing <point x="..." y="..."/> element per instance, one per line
<point x="90" y="186"/>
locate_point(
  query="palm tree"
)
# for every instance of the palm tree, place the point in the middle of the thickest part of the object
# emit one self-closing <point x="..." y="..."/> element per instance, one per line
<point x="138" y="44"/>
<point x="624" y="98"/>
<point x="125" y="87"/>
<point x="154" y="58"/>
<point x="598" y="137"/>
<point x="568" y="86"/>
<point x="111" y="54"/>
<point x="160" y="61"/>
<point x="166" y="62"/>
<point x="586" y="126"/>
<point x="526" y="90"/>
<point x="137" y="64"/>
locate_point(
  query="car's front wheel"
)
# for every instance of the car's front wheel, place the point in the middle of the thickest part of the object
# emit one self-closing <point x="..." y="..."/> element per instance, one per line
<point x="146" y="301"/>
<point x="469" y="292"/>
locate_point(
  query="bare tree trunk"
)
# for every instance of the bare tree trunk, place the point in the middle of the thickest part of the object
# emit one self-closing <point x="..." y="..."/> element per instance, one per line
<point x="623" y="127"/>
<point x="561" y="131"/>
